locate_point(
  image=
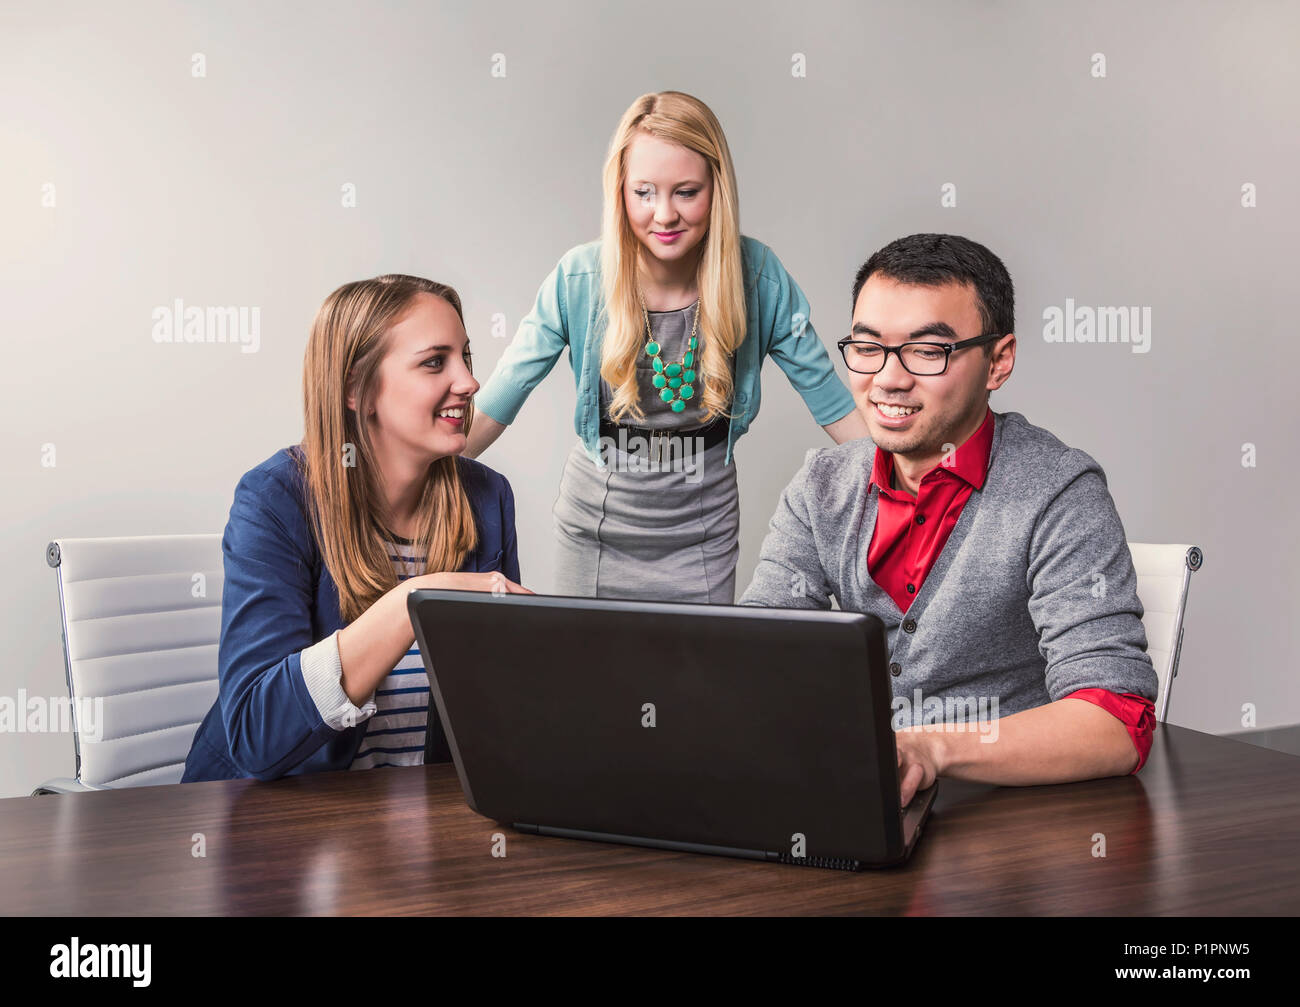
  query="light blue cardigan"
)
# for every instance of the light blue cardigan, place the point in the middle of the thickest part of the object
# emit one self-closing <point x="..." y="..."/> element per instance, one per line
<point x="565" y="314"/>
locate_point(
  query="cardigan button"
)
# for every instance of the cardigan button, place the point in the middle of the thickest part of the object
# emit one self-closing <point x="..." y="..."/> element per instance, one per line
<point x="911" y="589"/>
<point x="909" y="625"/>
<point x="895" y="669"/>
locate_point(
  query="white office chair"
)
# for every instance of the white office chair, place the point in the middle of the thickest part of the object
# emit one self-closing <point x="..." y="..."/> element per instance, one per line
<point x="1164" y="573"/>
<point x="141" y="620"/>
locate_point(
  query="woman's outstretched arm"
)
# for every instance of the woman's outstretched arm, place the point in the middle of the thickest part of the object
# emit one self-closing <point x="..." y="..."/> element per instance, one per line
<point x="481" y="435"/>
<point x="848" y="427"/>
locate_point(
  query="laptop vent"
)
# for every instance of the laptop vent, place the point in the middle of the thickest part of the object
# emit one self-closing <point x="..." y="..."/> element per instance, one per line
<point x="833" y="863"/>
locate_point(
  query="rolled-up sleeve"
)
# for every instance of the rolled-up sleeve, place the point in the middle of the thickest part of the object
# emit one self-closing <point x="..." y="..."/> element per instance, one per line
<point x="789" y="572"/>
<point x="798" y="350"/>
<point x="1138" y="716"/>
<point x="322" y="670"/>
<point x="538" y="343"/>
<point x="1083" y="588"/>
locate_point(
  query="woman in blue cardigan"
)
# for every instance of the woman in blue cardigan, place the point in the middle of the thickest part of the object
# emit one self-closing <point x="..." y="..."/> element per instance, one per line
<point x="318" y="668"/>
<point x="667" y="318"/>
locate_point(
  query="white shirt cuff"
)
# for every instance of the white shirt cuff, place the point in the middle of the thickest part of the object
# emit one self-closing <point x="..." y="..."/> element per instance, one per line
<point x="322" y="670"/>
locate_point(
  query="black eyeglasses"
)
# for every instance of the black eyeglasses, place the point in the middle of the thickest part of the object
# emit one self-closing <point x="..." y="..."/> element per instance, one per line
<point x="921" y="359"/>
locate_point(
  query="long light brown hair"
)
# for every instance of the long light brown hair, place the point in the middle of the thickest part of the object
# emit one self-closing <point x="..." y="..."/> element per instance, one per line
<point x="349" y="338"/>
<point x="683" y="119"/>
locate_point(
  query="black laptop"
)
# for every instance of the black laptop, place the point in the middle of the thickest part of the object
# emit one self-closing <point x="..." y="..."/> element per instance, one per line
<point x="748" y="732"/>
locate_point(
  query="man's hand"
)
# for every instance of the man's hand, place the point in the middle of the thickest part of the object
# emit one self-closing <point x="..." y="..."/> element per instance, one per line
<point x="918" y="762"/>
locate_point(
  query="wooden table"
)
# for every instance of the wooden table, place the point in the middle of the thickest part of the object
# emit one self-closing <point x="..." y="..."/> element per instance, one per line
<point x="1210" y="826"/>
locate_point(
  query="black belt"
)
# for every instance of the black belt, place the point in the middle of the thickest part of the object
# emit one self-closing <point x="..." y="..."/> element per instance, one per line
<point x="623" y="437"/>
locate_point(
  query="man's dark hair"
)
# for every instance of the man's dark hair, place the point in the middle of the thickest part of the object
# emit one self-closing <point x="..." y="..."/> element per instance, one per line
<point x="933" y="260"/>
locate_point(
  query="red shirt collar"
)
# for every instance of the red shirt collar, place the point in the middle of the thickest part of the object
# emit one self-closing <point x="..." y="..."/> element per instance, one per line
<point x="970" y="460"/>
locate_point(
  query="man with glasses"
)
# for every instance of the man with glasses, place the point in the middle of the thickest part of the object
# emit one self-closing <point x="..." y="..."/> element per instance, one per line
<point x="991" y="551"/>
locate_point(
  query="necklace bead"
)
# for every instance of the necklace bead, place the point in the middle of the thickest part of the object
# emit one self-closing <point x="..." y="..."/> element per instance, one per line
<point x="674" y="381"/>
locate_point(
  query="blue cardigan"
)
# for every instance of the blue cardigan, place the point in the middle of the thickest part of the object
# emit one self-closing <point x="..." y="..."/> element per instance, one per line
<point x="279" y="599"/>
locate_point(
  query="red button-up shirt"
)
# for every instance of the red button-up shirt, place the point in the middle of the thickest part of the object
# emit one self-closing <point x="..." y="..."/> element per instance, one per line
<point x="910" y="534"/>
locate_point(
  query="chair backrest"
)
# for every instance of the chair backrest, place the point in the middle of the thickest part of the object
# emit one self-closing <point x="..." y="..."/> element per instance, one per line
<point x="1164" y="573"/>
<point x="141" y="622"/>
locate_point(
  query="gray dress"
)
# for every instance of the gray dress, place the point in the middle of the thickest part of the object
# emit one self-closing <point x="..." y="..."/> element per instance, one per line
<point x="665" y="531"/>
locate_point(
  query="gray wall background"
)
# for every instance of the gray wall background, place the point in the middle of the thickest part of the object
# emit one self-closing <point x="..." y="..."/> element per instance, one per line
<point x="225" y="190"/>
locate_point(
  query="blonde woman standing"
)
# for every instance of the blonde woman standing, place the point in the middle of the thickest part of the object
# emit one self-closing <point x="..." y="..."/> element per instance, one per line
<point x="667" y="319"/>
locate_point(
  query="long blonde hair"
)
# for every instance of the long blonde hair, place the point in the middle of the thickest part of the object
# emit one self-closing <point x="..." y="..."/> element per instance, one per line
<point x="682" y="119"/>
<point x="349" y="339"/>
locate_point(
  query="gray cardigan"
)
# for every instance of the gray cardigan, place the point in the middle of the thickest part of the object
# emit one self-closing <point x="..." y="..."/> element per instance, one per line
<point x="1033" y="597"/>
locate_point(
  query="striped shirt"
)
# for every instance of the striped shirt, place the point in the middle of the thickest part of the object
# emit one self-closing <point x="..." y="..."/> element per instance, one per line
<point x="395" y="734"/>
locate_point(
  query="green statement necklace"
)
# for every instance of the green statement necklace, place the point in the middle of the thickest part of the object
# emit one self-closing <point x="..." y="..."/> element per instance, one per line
<point x="674" y="381"/>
